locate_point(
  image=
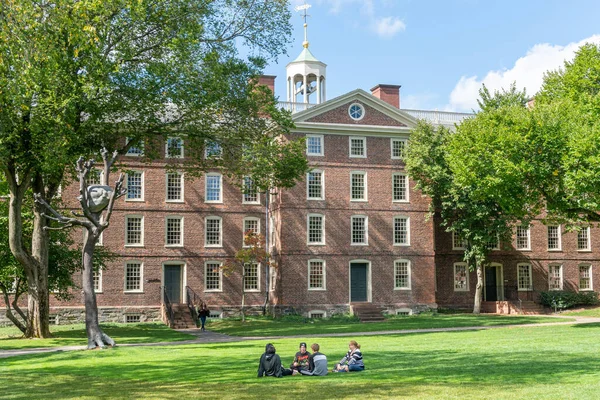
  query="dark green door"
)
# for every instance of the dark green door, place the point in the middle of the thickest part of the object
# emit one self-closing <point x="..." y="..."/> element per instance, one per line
<point x="358" y="282"/>
<point x="491" y="292"/>
<point x="173" y="283"/>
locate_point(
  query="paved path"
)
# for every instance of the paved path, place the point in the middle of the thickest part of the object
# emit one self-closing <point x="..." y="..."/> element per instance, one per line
<point x="213" y="337"/>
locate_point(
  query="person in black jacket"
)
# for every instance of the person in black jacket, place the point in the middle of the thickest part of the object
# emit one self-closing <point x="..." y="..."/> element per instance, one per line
<point x="270" y="364"/>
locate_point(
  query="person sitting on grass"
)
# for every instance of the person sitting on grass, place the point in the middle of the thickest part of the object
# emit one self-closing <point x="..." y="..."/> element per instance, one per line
<point x="352" y="361"/>
<point x="270" y="364"/>
<point x="301" y="359"/>
<point x="317" y="362"/>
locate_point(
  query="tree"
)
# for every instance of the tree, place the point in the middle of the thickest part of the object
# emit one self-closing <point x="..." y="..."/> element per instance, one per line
<point x="81" y="75"/>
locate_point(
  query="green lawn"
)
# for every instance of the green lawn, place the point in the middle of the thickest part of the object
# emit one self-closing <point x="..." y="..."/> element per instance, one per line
<point x="281" y="327"/>
<point x="550" y="362"/>
<point x="589" y="312"/>
<point x="74" y="335"/>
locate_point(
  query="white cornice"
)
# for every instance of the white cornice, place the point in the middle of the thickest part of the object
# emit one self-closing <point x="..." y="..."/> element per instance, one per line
<point x="345" y="129"/>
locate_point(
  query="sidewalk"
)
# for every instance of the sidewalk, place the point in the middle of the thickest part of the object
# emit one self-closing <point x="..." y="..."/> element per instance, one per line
<point x="213" y="337"/>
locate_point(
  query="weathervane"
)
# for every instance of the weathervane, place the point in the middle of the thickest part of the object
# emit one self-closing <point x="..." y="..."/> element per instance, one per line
<point x="304" y="7"/>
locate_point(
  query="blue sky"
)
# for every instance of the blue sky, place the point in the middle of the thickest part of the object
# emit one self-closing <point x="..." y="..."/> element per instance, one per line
<point x="440" y="51"/>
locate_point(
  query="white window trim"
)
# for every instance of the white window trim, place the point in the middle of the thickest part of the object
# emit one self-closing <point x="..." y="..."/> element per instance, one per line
<point x="214" y="156"/>
<point x="141" y="289"/>
<point x="397" y="311"/>
<point x="392" y="140"/>
<point x="220" y="276"/>
<point x="561" y="276"/>
<point x="589" y="241"/>
<point x="519" y="289"/>
<point x="324" y="288"/>
<point x="167" y="187"/>
<point x="220" y="231"/>
<point x="589" y="265"/>
<point x="409" y="274"/>
<point x="143" y="186"/>
<point x="308" y="243"/>
<point x="181" y="241"/>
<point x="454" y="277"/>
<point x="407" y="188"/>
<point x="142" y="228"/>
<point x="322" y="146"/>
<point x="454" y="238"/>
<point x="141" y="147"/>
<point x="497" y="245"/>
<point x="258" y="275"/>
<point x="99" y="281"/>
<point x="407" y="230"/>
<point x="244" y="195"/>
<point x="528" y="248"/>
<point x="366" y="198"/>
<point x="244" y="228"/>
<point x="319" y="171"/>
<point x="364" y="141"/>
<point x="312" y="312"/>
<point x="220" y="201"/>
<point x="167" y="155"/>
<point x="559" y="238"/>
<point x="362" y="115"/>
<point x="366" y="243"/>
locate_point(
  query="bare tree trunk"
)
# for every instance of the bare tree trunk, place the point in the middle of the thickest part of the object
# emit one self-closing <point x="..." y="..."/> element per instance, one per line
<point x="478" y="288"/>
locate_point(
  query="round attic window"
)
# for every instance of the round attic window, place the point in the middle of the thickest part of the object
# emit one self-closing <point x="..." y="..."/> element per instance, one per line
<point x="356" y="111"/>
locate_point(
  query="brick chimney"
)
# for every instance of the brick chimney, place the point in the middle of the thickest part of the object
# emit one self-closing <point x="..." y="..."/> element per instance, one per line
<point x="388" y="93"/>
<point x="268" y="81"/>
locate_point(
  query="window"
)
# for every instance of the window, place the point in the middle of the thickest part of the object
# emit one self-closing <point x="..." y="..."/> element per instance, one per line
<point x="314" y="145"/>
<point x="585" y="277"/>
<point x="554" y="238"/>
<point x="250" y="192"/>
<point x="314" y="185"/>
<point x="137" y="149"/>
<point x="461" y="277"/>
<point x="555" y="277"/>
<point x="174" y="148"/>
<point x="316" y="275"/>
<point x="402" y="275"/>
<point x="401" y="231"/>
<point x="214" y="189"/>
<point x="134" y="235"/>
<point x="458" y="242"/>
<point x="133" y="276"/>
<point x="250" y="224"/>
<point x="135" y="186"/>
<point x="523" y="238"/>
<point x="494" y="244"/>
<point x="174" y="231"/>
<point x="174" y="187"/>
<point x="315" y="229"/>
<point x="95" y="177"/>
<point x="398" y="149"/>
<point x="399" y="188"/>
<point x="213" y="231"/>
<point x="583" y="239"/>
<point x="358" y="147"/>
<point x="358" y="185"/>
<point x="213" y="277"/>
<point x="524" y="277"/>
<point x="356" y="111"/>
<point x="317" y="314"/>
<point x="213" y="150"/>
<point x="252" y="272"/>
<point x="404" y="311"/>
<point x="98" y="281"/>
<point x="132" y="318"/>
<point x="359" y="230"/>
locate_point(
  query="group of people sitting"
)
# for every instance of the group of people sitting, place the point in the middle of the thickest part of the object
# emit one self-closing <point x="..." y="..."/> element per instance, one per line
<point x="306" y="363"/>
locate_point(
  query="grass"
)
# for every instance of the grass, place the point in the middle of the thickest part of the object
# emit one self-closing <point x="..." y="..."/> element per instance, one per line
<point x="583" y="312"/>
<point x="536" y="362"/>
<point x="257" y="326"/>
<point x="74" y="335"/>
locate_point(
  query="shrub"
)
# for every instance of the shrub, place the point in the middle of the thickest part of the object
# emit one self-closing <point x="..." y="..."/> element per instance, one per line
<point x="562" y="300"/>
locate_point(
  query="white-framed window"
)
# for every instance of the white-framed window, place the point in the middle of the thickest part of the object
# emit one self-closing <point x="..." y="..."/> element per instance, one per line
<point x="95" y="177"/>
<point x="315" y="229"/>
<point x="360" y="230"/>
<point x="174" y="147"/>
<point x="404" y="311"/>
<point x="135" y="186"/>
<point x="250" y="224"/>
<point x="98" y="281"/>
<point x="174" y="231"/>
<point x="174" y="187"/>
<point x="555" y="277"/>
<point x="585" y="277"/>
<point x="524" y="277"/>
<point x="583" y="239"/>
<point x="398" y="148"/>
<point x="461" y="277"/>
<point x="135" y="150"/>
<point x="554" y="238"/>
<point x="134" y="273"/>
<point x="252" y="281"/>
<point x="458" y="241"/>
<point x="314" y="145"/>
<point x="358" y="186"/>
<point x="213" y="232"/>
<point x="249" y="192"/>
<point x="316" y="275"/>
<point x="213" y="276"/>
<point x="213" y="150"/>
<point x="358" y="147"/>
<point x="356" y="111"/>
<point x="213" y="192"/>
<point x="401" y="231"/>
<point x="402" y="275"/>
<point x="523" y="237"/>
<point x="315" y="185"/>
<point x="317" y="314"/>
<point x="134" y="230"/>
<point x="400" y="188"/>
<point x="272" y="279"/>
<point x="494" y="244"/>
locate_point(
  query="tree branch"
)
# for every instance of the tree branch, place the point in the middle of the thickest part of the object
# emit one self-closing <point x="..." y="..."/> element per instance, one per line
<point x="58" y="217"/>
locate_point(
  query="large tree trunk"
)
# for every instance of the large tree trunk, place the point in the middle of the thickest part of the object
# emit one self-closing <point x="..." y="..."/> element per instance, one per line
<point x="96" y="337"/>
<point x="478" y="289"/>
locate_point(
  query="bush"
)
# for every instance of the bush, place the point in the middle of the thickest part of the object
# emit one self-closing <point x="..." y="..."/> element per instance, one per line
<point x="564" y="300"/>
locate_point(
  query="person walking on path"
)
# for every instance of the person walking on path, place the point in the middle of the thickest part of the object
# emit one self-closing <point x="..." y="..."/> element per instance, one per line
<point x="352" y="361"/>
<point x="317" y="362"/>
<point x="203" y="312"/>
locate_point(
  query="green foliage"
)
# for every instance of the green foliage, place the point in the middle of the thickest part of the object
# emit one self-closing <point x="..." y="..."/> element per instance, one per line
<point x="510" y="97"/>
<point x="563" y="299"/>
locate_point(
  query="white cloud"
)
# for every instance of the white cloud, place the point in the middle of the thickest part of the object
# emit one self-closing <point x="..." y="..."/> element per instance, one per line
<point x="528" y="72"/>
<point x="387" y="27"/>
